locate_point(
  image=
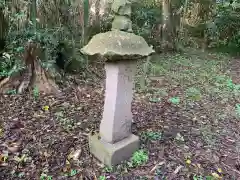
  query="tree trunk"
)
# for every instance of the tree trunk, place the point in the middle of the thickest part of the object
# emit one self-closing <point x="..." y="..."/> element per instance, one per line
<point x="33" y="14"/>
<point x="33" y="76"/>
<point x="167" y="28"/>
<point x="85" y="22"/>
<point x="196" y="19"/>
<point x="3" y="30"/>
<point x="97" y="14"/>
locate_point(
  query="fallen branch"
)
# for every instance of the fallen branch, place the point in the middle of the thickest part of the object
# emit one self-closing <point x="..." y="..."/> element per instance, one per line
<point x="156" y="166"/>
<point x="173" y="175"/>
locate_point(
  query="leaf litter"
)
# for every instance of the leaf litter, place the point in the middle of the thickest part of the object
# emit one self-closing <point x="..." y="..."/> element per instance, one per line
<point x="48" y="136"/>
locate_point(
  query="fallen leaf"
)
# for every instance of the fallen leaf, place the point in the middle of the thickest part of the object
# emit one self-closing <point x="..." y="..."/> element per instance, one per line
<point x="67" y="162"/>
<point x="6" y="55"/>
<point x="1" y="131"/>
<point x="14" y="147"/>
<point x="46" y="154"/>
<point x="188" y="161"/>
<point x="75" y="155"/>
<point x="219" y="170"/>
<point x="198" y="166"/>
<point x="154" y="100"/>
<point x="21" y="159"/>
<point x="3" y="159"/>
<point x="215" y="175"/>
<point x="178" y="169"/>
<point x="45" y="108"/>
<point x="179" y="137"/>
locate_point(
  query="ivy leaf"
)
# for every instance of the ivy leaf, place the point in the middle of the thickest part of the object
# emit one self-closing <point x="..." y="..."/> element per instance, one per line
<point x="155" y="100"/>
<point x="73" y="172"/>
<point x="175" y="100"/>
<point x="20" y="49"/>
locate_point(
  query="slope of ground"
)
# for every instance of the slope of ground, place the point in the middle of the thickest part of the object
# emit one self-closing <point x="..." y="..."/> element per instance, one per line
<point x="187" y="118"/>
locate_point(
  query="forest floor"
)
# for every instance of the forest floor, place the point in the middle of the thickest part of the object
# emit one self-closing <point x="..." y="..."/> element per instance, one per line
<point x="187" y="118"/>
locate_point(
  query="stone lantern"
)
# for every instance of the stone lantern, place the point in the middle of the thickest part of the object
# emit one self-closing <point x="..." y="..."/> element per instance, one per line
<point x="121" y="49"/>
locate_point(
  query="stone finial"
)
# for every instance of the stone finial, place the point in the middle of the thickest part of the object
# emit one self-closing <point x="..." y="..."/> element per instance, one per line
<point x="119" y="43"/>
<point x="122" y="15"/>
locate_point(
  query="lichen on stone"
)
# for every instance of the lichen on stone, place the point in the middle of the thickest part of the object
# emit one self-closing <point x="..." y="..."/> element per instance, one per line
<point x="122" y="7"/>
<point x="118" y="45"/>
<point x="122" y="15"/>
<point x="122" y="23"/>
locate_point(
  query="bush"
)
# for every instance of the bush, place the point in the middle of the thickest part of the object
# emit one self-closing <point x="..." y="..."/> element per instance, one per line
<point x="145" y="19"/>
<point x="224" y="31"/>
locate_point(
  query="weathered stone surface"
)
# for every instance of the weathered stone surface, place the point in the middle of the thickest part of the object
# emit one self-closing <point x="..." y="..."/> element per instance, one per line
<point x="118" y="45"/>
<point x="122" y="20"/>
<point x="122" y="23"/>
<point x="113" y="154"/>
<point x="117" y="115"/>
<point x="121" y="48"/>
<point x="122" y="7"/>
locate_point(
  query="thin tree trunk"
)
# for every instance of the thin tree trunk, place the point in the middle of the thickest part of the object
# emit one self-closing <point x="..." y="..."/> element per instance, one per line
<point x="33" y="14"/>
<point x="143" y="78"/>
<point x="85" y="21"/>
<point x="3" y="29"/>
<point x="167" y="28"/>
<point x="166" y="18"/>
<point x="184" y="14"/>
<point x="97" y="14"/>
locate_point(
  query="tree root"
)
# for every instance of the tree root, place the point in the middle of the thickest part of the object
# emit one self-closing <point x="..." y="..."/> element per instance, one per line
<point x="33" y="76"/>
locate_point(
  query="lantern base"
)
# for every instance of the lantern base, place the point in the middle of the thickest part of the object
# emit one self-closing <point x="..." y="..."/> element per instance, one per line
<point x="113" y="154"/>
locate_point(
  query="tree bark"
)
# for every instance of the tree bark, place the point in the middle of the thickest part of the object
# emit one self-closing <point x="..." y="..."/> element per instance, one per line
<point x="97" y="14"/>
<point x="168" y="37"/>
<point x="3" y="30"/>
<point x="33" y="76"/>
<point x="33" y="14"/>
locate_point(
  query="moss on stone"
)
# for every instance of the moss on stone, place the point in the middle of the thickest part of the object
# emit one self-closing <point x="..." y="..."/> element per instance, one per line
<point x="118" y="45"/>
